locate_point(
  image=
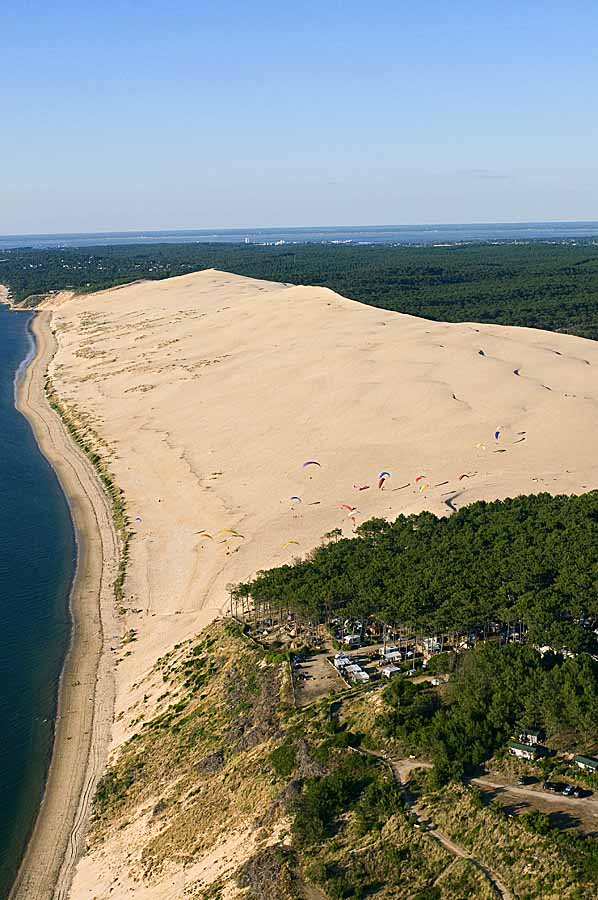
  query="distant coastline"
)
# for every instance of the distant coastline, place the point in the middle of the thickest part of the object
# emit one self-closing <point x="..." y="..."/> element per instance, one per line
<point x="357" y="234"/>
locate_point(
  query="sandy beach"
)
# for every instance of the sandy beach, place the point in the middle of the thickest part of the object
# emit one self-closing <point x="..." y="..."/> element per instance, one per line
<point x="87" y="686"/>
<point x="207" y="393"/>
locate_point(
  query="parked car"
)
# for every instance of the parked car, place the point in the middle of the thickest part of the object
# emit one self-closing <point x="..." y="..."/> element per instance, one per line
<point x="567" y="790"/>
<point x="553" y="786"/>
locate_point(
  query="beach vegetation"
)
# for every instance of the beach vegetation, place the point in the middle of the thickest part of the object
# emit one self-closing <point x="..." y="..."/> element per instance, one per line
<point x="89" y="443"/>
<point x="227" y="758"/>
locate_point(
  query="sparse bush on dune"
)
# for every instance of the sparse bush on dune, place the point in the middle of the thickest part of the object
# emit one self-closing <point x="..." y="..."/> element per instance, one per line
<point x="224" y="752"/>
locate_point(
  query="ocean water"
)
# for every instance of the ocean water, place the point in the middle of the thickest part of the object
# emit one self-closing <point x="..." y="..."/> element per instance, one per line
<point x="369" y="234"/>
<point x="37" y="562"/>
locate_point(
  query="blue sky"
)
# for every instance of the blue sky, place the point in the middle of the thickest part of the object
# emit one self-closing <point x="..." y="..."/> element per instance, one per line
<point x="192" y="114"/>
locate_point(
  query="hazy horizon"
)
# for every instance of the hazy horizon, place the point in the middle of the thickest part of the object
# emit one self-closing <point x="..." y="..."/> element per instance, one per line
<point x="305" y="227"/>
<point x="189" y="114"/>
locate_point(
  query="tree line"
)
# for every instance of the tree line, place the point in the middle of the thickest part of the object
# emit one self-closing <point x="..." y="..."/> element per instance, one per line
<point x="539" y="285"/>
<point x="530" y="559"/>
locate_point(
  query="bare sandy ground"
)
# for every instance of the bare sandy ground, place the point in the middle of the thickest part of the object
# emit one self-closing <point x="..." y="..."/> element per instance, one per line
<point x="212" y="391"/>
<point x="87" y="686"/>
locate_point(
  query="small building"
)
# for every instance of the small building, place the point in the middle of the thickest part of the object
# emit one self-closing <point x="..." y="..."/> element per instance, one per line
<point x="356" y="673"/>
<point x="393" y="655"/>
<point x="389" y="671"/>
<point x="522" y="751"/>
<point x="587" y="763"/>
<point x="352" y="640"/>
<point x="531" y="736"/>
<point x="341" y="660"/>
<point x="351" y="669"/>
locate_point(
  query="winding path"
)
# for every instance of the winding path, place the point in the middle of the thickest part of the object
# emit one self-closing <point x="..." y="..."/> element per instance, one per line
<point x="401" y="769"/>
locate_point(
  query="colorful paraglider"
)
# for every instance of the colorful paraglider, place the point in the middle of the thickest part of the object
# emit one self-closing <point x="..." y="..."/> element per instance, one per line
<point x="381" y="483"/>
<point x="384" y="475"/>
<point x="288" y="543"/>
<point x="298" y="499"/>
<point x="423" y="487"/>
<point x="230" y="531"/>
<point x="204" y="534"/>
<point x="419" y="478"/>
<point x="347" y="507"/>
<point x="497" y="434"/>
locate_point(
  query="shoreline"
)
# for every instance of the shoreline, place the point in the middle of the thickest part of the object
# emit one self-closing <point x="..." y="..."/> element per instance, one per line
<point x="86" y="688"/>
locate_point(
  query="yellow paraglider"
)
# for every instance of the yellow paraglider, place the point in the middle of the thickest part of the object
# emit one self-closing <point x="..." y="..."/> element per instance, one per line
<point x="230" y="531"/>
<point x="204" y="534"/>
<point x="288" y="543"/>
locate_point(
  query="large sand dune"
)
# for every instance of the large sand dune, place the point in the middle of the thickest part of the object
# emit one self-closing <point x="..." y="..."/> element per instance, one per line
<point x="213" y="390"/>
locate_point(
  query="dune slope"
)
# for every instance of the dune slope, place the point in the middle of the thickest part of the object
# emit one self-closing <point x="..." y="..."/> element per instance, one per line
<point x="209" y="391"/>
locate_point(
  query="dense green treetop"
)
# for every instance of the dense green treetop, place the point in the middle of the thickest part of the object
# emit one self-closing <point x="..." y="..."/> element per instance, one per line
<point x="532" y="559"/>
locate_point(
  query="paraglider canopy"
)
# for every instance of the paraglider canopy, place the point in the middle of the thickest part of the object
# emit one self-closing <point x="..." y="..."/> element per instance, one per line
<point x="497" y="434"/>
<point x="311" y="462"/>
<point x="384" y="475"/>
<point x="381" y="481"/>
<point x="298" y="499"/>
<point x="419" y="478"/>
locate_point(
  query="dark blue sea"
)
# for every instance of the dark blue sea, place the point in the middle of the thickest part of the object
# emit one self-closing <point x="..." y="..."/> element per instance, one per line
<point x="37" y="561"/>
<point x="368" y="234"/>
